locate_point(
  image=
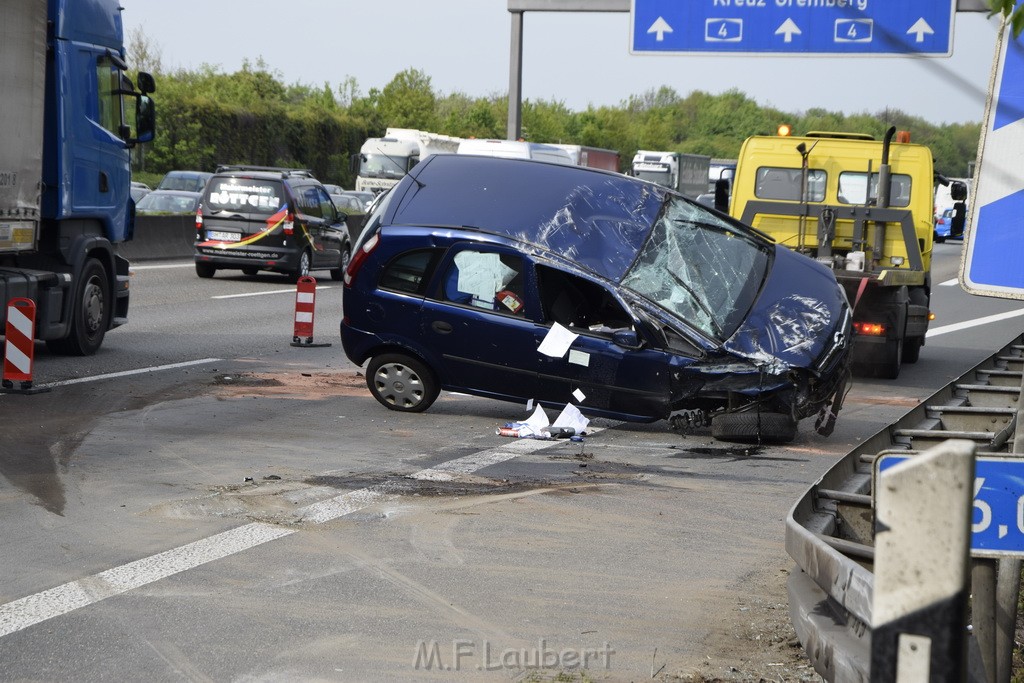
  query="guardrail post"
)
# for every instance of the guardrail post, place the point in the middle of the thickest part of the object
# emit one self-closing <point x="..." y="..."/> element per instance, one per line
<point x="922" y="545"/>
<point x="983" y="612"/>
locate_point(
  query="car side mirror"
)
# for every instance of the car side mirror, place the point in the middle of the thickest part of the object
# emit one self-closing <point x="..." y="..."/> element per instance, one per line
<point x="627" y="339"/>
<point x="958" y="191"/>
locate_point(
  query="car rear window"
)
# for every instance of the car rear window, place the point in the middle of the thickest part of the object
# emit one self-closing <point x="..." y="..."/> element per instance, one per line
<point x="245" y="195"/>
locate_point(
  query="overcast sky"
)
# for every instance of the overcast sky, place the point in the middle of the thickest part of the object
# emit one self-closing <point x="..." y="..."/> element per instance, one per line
<point x="579" y="59"/>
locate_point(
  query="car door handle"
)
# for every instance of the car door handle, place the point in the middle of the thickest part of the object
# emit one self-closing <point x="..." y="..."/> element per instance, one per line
<point x="441" y="327"/>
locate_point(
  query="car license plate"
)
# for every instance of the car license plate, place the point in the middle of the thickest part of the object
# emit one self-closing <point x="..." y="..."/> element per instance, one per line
<point x="221" y="236"/>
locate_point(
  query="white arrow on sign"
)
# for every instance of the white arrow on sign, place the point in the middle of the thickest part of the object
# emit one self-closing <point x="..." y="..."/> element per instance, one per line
<point x="921" y="28"/>
<point x="660" y="27"/>
<point x="788" y="29"/>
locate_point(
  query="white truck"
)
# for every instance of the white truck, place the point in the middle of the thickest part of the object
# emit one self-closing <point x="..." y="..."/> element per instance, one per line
<point x="382" y="162"/>
<point x="685" y="173"/>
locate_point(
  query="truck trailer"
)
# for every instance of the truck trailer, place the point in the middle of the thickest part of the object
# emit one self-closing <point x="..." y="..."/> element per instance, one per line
<point x="65" y="171"/>
<point x="382" y="162"/>
<point x="684" y="173"/>
<point x="863" y="207"/>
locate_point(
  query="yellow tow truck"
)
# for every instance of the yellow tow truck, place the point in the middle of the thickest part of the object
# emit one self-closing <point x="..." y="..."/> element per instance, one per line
<point x="861" y="206"/>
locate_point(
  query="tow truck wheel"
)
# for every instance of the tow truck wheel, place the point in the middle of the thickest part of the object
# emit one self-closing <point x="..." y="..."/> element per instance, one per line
<point x="912" y="349"/>
<point x="90" y="313"/>
<point x="892" y="360"/>
<point x="401" y="383"/>
<point x="754" y="427"/>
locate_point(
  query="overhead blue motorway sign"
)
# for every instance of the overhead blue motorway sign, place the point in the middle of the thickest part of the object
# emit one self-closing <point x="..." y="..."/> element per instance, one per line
<point x="997" y="521"/>
<point x="993" y="257"/>
<point x="793" y="27"/>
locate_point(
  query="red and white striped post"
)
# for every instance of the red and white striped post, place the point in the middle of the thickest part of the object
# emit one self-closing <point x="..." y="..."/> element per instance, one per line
<point x="19" y="348"/>
<point x="305" y="306"/>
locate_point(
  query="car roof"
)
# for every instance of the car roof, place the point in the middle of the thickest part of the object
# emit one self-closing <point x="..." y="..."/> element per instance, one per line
<point x="597" y="219"/>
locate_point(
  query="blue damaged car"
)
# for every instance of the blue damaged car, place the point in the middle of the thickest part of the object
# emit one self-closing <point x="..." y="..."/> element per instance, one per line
<point x="519" y="280"/>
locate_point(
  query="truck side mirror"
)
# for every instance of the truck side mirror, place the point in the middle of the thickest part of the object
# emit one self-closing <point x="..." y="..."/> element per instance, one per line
<point x="145" y="119"/>
<point x="722" y="195"/>
<point x="146" y="83"/>
<point x="958" y="190"/>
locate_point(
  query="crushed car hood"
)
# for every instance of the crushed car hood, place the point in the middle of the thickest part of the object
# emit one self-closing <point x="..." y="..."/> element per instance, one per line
<point x="797" y="315"/>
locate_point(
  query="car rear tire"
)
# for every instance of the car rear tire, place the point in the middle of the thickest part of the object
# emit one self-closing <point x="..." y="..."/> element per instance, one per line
<point x="302" y="269"/>
<point x="250" y="271"/>
<point x="754" y="426"/>
<point x="339" y="272"/>
<point x="401" y="383"/>
<point x="90" y="313"/>
<point x="205" y="270"/>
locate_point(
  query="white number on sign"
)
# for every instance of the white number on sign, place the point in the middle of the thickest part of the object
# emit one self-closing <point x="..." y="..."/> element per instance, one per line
<point x="985" y="508"/>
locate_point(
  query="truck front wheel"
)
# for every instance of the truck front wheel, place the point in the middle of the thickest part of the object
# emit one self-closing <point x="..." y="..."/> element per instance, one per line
<point x="90" y="313"/>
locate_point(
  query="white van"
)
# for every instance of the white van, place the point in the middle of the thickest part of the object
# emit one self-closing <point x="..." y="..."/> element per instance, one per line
<point x="515" y="149"/>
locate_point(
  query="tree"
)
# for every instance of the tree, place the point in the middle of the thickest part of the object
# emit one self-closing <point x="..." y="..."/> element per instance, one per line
<point x="1006" y="8"/>
<point x="408" y="101"/>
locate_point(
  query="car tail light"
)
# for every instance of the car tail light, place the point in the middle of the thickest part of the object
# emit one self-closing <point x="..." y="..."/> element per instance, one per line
<point x="199" y="219"/>
<point x="870" y="329"/>
<point x="359" y="258"/>
<point x="289" y="224"/>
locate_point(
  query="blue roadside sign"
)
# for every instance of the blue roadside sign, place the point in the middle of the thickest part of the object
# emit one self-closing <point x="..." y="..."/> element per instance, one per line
<point x="993" y="257"/>
<point x="798" y="27"/>
<point x="997" y="524"/>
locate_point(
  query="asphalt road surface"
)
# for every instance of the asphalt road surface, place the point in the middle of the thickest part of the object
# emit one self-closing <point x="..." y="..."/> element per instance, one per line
<point x="203" y="501"/>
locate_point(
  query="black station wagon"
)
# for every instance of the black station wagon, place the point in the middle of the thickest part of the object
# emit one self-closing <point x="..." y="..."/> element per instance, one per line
<point x="253" y="218"/>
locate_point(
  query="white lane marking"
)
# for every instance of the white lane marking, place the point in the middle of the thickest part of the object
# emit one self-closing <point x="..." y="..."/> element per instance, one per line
<point x="126" y="373"/>
<point x="949" y="283"/>
<point x="33" y="609"/>
<point x="275" y="291"/>
<point x="967" y="324"/>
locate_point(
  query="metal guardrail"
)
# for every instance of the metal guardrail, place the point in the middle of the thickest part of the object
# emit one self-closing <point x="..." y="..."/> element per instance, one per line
<point x="830" y="529"/>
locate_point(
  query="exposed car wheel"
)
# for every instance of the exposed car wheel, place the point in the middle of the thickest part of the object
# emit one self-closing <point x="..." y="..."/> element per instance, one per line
<point x="754" y="426"/>
<point x="250" y="271"/>
<point x="90" y="313"/>
<point x="339" y="272"/>
<point x="205" y="270"/>
<point x="302" y="270"/>
<point x="912" y="349"/>
<point x="401" y="383"/>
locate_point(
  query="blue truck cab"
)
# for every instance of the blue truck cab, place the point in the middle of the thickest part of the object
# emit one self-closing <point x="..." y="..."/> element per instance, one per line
<point x="64" y="198"/>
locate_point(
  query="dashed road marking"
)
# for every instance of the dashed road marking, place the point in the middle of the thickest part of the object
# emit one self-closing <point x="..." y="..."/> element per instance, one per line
<point x="33" y="609"/>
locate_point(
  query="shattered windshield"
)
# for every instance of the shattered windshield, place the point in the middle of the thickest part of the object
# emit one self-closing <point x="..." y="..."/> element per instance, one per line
<point x="700" y="268"/>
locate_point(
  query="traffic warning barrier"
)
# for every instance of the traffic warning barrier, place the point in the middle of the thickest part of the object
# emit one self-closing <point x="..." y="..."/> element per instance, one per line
<point x="19" y="347"/>
<point x="305" y="306"/>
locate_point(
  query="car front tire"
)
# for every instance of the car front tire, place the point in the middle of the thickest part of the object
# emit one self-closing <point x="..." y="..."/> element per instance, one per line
<point x="401" y="383"/>
<point x="754" y="427"/>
